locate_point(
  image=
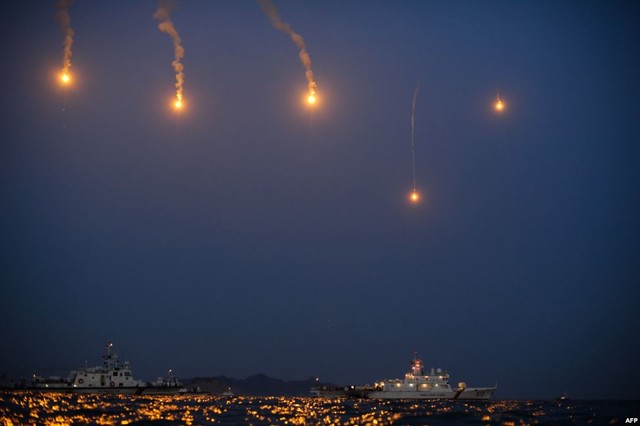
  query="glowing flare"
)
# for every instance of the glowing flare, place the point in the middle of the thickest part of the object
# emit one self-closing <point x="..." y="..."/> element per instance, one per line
<point x="65" y="78"/>
<point x="311" y="99"/>
<point x="414" y="197"/>
<point x="178" y="104"/>
<point x="499" y="105"/>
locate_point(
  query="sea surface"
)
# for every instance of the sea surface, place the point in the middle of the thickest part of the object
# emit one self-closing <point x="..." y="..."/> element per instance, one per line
<point x="27" y="408"/>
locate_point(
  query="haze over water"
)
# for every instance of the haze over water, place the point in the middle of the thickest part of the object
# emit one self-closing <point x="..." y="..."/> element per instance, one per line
<point x="252" y="233"/>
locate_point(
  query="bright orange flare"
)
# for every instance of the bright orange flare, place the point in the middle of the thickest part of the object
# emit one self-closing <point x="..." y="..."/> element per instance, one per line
<point x="499" y="105"/>
<point x="414" y="197"/>
<point x="65" y="78"/>
<point x="178" y="104"/>
<point x="312" y="98"/>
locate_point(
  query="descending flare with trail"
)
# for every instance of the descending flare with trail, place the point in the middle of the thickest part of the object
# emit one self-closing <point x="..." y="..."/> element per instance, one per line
<point x="270" y="10"/>
<point x="163" y="14"/>
<point x="64" y="20"/>
<point x="414" y="197"/>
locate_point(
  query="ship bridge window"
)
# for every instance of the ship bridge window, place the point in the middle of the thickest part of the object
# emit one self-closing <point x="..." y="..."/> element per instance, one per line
<point x="127" y="374"/>
<point x="115" y="374"/>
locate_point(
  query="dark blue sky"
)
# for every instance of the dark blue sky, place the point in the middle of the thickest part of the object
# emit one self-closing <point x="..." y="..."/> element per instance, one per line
<point x="252" y="235"/>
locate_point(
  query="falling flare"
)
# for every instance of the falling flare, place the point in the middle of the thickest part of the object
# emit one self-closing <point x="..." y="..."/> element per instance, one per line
<point x="414" y="197"/>
<point x="64" y="20"/>
<point x="163" y="14"/>
<point x="414" y="194"/>
<point x="499" y="105"/>
<point x="270" y="10"/>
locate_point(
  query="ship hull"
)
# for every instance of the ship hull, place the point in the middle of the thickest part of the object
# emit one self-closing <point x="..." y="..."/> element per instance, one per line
<point x="470" y="393"/>
<point x="137" y="390"/>
<point x="410" y="395"/>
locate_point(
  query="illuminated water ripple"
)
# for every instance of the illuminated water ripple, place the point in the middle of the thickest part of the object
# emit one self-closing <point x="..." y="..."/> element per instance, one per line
<point x="27" y="408"/>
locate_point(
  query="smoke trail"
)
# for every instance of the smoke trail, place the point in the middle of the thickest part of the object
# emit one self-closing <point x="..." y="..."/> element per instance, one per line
<point x="64" y="20"/>
<point x="163" y="14"/>
<point x="413" y="132"/>
<point x="270" y="10"/>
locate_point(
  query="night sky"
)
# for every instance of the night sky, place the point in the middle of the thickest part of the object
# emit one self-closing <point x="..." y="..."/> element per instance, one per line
<point x="253" y="234"/>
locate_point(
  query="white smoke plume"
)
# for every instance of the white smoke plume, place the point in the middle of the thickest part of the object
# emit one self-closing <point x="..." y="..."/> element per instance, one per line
<point x="413" y="133"/>
<point x="163" y="14"/>
<point x="64" y="20"/>
<point x="270" y="10"/>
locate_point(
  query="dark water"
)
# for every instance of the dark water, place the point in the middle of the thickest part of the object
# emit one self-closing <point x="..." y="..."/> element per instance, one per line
<point x="25" y="408"/>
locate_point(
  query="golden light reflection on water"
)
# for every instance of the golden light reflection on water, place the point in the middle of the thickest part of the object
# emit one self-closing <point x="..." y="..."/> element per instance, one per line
<point x="68" y="409"/>
<point x="301" y="411"/>
<point x="27" y="408"/>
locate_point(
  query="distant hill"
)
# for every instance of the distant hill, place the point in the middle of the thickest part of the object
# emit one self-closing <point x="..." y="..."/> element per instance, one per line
<point x="256" y="385"/>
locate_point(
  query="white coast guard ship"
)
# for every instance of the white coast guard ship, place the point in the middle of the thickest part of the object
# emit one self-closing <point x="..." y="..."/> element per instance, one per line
<point x="435" y="385"/>
<point x="110" y="377"/>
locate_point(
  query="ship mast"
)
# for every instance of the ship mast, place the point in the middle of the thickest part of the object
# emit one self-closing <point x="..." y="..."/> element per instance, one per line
<point x="416" y="365"/>
<point x="110" y="358"/>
